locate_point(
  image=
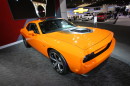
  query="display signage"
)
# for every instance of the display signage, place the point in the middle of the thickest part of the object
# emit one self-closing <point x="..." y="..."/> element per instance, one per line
<point x="80" y="10"/>
<point x="26" y="9"/>
<point x="95" y="19"/>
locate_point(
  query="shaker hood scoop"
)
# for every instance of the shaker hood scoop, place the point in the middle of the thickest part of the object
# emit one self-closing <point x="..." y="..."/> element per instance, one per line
<point x="78" y="30"/>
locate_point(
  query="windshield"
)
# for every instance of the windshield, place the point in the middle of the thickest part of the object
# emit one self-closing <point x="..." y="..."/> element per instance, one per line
<point x="54" y="25"/>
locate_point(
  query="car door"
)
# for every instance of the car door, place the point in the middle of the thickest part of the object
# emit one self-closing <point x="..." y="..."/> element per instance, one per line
<point x="35" y="40"/>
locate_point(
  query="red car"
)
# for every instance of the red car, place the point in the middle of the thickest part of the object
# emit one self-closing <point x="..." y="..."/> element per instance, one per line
<point x="101" y="17"/>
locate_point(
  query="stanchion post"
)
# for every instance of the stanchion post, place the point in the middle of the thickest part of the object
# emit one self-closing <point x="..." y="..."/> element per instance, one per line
<point x="95" y="20"/>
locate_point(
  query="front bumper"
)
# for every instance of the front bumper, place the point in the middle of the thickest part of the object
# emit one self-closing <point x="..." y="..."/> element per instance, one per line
<point x="90" y="65"/>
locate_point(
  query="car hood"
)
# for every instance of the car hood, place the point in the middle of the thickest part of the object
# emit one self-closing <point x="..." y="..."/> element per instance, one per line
<point x="81" y="40"/>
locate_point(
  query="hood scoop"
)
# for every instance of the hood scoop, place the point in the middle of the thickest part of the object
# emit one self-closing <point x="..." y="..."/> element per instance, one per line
<point x="77" y="30"/>
<point x="81" y="30"/>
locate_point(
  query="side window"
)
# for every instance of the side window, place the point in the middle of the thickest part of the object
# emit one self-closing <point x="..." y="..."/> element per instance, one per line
<point x="28" y="27"/>
<point x="48" y="26"/>
<point x="33" y="27"/>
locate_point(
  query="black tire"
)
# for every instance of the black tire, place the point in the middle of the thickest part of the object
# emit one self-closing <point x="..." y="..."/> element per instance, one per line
<point x="58" y="62"/>
<point x="26" y="43"/>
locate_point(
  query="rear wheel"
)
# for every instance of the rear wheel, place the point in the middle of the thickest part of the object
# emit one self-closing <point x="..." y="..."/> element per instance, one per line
<point x="58" y="62"/>
<point x="26" y="43"/>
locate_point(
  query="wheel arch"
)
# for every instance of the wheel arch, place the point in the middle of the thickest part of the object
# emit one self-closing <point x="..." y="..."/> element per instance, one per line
<point x="48" y="50"/>
<point x="72" y="54"/>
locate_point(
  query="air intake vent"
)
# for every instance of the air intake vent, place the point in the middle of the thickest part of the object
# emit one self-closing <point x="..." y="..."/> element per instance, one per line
<point x="81" y="30"/>
<point x="77" y="30"/>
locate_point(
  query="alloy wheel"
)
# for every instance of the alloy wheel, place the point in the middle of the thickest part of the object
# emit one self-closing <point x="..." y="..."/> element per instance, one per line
<point x="57" y="62"/>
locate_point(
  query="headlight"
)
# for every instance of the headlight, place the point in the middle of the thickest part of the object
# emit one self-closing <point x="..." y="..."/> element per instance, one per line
<point x="88" y="57"/>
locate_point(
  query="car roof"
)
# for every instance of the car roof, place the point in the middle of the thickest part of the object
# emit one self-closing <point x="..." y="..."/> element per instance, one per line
<point x="43" y="19"/>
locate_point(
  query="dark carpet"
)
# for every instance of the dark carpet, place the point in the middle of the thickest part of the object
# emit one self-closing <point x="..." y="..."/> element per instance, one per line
<point x="20" y="66"/>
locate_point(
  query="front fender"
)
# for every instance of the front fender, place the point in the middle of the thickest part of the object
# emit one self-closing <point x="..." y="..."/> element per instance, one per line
<point x="72" y="54"/>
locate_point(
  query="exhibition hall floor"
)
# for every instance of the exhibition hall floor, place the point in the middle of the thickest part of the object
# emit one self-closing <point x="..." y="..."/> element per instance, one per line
<point x="20" y="66"/>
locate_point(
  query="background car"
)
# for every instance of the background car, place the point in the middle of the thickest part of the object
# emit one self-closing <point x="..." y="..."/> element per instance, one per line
<point x="101" y="17"/>
<point x="109" y="15"/>
<point x="78" y="49"/>
<point x="88" y="16"/>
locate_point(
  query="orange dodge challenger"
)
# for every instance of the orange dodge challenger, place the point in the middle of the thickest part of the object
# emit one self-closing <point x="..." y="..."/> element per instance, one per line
<point x="69" y="47"/>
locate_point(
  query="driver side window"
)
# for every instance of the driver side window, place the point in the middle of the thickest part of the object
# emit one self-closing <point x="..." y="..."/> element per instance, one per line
<point x="33" y="26"/>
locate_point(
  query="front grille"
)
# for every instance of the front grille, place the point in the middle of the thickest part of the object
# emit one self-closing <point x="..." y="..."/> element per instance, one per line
<point x="92" y="55"/>
<point x="108" y="45"/>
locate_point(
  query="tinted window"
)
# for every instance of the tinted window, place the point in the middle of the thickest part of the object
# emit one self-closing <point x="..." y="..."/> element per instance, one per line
<point x="33" y="27"/>
<point x="28" y="27"/>
<point x="54" y="25"/>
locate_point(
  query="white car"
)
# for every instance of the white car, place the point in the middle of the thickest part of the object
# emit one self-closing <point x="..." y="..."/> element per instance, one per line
<point x="87" y="16"/>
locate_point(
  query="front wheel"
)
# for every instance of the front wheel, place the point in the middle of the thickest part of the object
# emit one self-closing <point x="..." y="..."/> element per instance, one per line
<point x="26" y="43"/>
<point x="58" y="62"/>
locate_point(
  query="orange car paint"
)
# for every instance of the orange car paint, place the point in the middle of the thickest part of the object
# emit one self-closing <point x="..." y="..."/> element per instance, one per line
<point x="74" y="47"/>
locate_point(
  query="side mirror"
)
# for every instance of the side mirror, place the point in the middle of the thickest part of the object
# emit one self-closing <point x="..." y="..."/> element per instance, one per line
<point x="31" y="33"/>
